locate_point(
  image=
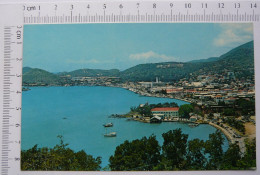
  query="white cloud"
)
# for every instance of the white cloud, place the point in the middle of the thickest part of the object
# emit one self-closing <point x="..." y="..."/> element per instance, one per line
<point x="151" y="57"/>
<point x="234" y="34"/>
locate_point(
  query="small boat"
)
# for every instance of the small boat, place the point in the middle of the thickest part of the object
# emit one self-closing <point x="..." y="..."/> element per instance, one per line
<point x="25" y="89"/>
<point x="111" y="134"/>
<point x="193" y="125"/>
<point x="108" y="125"/>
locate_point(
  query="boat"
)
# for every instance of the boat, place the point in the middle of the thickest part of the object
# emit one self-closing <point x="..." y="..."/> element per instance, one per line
<point x="193" y="124"/>
<point x="111" y="134"/>
<point x="25" y="89"/>
<point x="108" y="125"/>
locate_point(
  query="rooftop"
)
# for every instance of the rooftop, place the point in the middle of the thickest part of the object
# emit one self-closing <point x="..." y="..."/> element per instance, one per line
<point x="165" y="109"/>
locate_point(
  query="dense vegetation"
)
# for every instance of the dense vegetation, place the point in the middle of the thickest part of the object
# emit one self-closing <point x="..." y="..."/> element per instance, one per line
<point x="231" y="121"/>
<point x="246" y="107"/>
<point x="185" y="110"/>
<point x="59" y="158"/>
<point x="177" y="153"/>
<point x="239" y="60"/>
<point x="39" y="76"/>
<point x="145" y="110"/>
<point x="92" y="73"/>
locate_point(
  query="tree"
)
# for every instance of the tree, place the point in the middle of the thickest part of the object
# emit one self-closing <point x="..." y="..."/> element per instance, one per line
<point x="185" y="109"/>
<point x="174" y="149"/>
<point x="249" y="159"/>
<point x="137" y="155"/>
<point x="229" y="112"/>
<point x="247" y="107"/>
<point x="195" y="157"/>
<point x="213" y="147"/>
<point x="231" y="158"/>
<point x="59" y="158"/>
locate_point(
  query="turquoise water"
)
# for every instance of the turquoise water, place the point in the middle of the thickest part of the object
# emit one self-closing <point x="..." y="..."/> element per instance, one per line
<point x="86" y="110"/>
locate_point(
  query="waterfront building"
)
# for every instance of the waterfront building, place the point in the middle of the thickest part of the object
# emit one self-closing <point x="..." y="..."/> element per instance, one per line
<point x="156" y="119"/>
<point x="166" y="113"/>
<point x="193" y="118"/>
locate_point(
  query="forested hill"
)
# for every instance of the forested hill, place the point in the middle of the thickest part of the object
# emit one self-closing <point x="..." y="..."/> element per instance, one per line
<point x="92" y="73"/>
<point x="239" y="60"/>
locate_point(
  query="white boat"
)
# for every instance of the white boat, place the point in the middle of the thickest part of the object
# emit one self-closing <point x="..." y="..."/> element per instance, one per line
<point x="193" y="125"/>
<point x="108" y="125"/>
<point x="111" y="134"/>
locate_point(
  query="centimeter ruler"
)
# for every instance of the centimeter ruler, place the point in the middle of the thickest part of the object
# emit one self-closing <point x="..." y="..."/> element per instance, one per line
<point x="143" y="11"/>
<point x="14" y="16"/>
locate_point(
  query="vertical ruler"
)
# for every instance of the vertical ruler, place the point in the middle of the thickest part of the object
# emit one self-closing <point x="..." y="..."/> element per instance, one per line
<point x="11" y="32"/>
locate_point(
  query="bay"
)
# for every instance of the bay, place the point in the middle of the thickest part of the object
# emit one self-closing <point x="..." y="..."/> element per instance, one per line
<point x="78" y="114"/>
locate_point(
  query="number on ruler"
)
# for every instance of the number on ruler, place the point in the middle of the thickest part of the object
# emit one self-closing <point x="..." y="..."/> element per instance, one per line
<point x="221" y="5"/>
<point x="204" y="5"/>
<point x="171" y="5"/>
<point x="55" y="7"/>
<point x="18" y="34"/>
<point x="71" y="7"/>
<point x="253" y="5"/>
<point x="154" y="5"/>
<point x="237" y="5"/>
<point x="187" y="5"/>
<point x="137" y="5"/>
<point x="121" y="6"/>
<point x="104" y="6"/>
<point x="88" y="6"/>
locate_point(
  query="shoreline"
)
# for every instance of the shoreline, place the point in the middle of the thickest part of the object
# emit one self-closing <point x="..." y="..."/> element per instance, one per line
<point x="225" y="132"/>
<point x="228" y="135"/>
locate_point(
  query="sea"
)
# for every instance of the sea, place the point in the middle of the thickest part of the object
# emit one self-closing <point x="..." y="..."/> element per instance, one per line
<point x="79" y="112"/>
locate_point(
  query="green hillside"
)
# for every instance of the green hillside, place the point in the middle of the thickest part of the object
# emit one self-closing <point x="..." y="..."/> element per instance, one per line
<point x="39" y="76"/>
<point x="239" y="60"/>
<point x="169" y="71"/>
<point x="92" y="73"/>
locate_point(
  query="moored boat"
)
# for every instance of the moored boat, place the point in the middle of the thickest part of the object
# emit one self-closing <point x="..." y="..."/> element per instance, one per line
<point x="111" y="134"/>
<point x="193" y="124"/>
<point x="108" y="125"/>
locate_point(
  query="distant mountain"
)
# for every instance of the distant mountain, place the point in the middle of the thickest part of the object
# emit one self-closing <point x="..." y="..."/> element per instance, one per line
<point x="205" y="60"/>
<point x="168" y="71"/>
<point x="39" y="76"/>
<point x="239" y="60"/>
<point x="92" y="73"/>
<point x="26" y="69"/>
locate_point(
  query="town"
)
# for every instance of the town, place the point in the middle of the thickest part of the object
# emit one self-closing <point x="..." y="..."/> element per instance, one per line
<point x="221" y="100"/>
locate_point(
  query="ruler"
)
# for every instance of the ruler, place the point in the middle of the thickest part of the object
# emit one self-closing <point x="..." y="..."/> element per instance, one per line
<point x="144" y="11"/>
<point x="14" y="16"/>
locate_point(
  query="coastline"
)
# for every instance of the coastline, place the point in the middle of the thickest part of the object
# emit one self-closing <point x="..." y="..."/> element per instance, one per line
<point x="225" y="132"/>
<point x="228" y="135"/>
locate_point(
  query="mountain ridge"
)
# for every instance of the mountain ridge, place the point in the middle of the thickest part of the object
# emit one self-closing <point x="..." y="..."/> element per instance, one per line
<point x="239" y="60"/>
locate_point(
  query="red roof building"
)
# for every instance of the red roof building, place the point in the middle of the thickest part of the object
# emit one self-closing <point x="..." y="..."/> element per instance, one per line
<point x="168" y="112"/>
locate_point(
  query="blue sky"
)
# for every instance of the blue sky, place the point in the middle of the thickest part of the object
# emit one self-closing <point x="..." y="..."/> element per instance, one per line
<point x="58" y="48"/>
